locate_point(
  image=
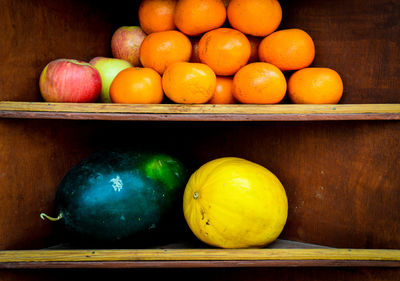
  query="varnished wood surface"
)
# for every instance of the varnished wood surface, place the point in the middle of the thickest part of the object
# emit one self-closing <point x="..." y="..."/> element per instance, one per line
<point x="341" y="178"/>
<point x="203" y="112"/>
<point x="327" y="168"/>
<point x="140" y="258"/>
<point x="360" y="39"/>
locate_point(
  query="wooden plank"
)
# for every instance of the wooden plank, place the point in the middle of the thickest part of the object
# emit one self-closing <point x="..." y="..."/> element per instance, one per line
<point x="198" y="255"/>
<point x="200" y="264"/>
<point x="204" y="112"/>
<point x="200" y="108"/>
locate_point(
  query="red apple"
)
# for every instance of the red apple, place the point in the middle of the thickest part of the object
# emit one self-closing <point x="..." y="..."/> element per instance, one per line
<point x="68" y="80"/>
<point x="125" y="43"/>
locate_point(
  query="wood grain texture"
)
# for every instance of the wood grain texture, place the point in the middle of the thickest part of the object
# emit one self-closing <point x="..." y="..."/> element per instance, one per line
<point x="36" y="32"/>
<point x="359" y="39"/>
<point x="179" y="112"/>
<point x="198" y="255"/>
<point x="341" y="177"/>
<point x="328" y="169"/>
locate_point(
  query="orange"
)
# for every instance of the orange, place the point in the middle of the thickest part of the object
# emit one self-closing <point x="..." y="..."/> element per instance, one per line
<point x="194" y="17"/>
<point x="223" y="91"/>
<point x="315" y="85"/>
<point x="157" y="15"/>
<point x="136" y="85"/>
<point x="255" y="17"/>
<point x="288" y="49"/>
<point x="259" y="83"/>
<point x="186" y="82"/>
<point x="225" y="50"/>
<point x="254" y="43"/>
<point x="160" y="49"/>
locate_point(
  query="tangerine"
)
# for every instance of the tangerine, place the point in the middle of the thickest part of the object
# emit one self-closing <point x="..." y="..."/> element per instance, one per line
<point x="259" y="83"/>
<point x="315" y="85"/>
<point x="157" y="15"/>
<point x="223" y="91"/>
<point x="194" y="17"/>
<point x="137" y="85"/>
<point x="255" y="17"/>
<point x="186" y="82"/>
<point x="160" y="49"/>
<point x="288" y="49"/>
<point x="225" y="50"/>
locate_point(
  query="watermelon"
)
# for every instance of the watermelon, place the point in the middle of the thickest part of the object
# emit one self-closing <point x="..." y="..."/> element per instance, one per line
<point x="115" y="195"/>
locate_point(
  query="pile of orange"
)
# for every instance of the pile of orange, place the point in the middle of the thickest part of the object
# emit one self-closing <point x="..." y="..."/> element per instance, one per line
<point x="226" y="51"/>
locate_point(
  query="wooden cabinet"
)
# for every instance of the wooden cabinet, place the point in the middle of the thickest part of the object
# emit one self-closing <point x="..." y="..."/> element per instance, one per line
<point x="338" y="163"/>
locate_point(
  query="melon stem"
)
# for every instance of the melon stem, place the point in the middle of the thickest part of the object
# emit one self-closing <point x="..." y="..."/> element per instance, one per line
<point x="43" y="216"/>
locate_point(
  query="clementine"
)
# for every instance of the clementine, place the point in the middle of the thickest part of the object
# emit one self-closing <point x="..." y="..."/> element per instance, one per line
<point x="259" y="83"/>
<point x="225" y="50"/>
<point x="255" y="17"/>
<point x="288" y="49"/>
<point x="137" y="85"/>
<point x="315" y="85"/>
<point x="157" y="15"/>
<point x="160" y="49"/>
<point x="186" y="82"/>
<point x="223" y="91"/>
<point x="194" y="17"/>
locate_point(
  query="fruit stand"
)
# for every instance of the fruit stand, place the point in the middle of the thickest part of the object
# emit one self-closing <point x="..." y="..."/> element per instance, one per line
<point x="337" y="162"/>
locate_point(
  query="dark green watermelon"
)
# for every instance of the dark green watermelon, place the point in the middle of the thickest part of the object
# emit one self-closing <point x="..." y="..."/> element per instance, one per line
<point x="114" y="195"/>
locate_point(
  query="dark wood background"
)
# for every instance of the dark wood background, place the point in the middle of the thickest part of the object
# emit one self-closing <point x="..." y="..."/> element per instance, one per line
<point x="342" y="178"/>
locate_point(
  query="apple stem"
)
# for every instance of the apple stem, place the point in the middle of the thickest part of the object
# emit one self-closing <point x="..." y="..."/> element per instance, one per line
<point x="43" y="216"/>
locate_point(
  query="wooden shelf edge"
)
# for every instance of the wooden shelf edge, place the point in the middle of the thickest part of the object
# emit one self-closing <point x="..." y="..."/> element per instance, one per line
<point x="203" y="112"/>
<point x="198" y="258"/>
<point x="199" y="264"/>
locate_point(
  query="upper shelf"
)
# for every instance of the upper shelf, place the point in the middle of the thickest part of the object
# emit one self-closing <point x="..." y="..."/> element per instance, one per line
<point x="203" y="112"/>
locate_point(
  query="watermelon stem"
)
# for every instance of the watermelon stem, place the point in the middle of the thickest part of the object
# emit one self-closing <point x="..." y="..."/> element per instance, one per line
<point x="43" y="216"/>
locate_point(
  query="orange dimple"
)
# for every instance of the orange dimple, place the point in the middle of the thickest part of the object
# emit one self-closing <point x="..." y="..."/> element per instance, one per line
<point x="160" y="49"/>
<point x="315" y="85"/>
<point x="259" y="83"/>
<point x="191" y="83"/>
<point x="137" y="85"/>
<point x="288" y="49"/>
<point x="225" y="50"/>
<point x="157" y="15"/>
<point x="255" y="17"/>
<point x="194" y="17"/>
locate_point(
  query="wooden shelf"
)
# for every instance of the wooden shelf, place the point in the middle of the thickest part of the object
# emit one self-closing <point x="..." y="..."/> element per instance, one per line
<point x="204" y="112"/>
<point x="282" y="254"/>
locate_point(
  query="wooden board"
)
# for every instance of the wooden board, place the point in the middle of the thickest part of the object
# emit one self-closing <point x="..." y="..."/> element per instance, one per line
<point x="198" y="258"/>
<point x="180" y="112"/>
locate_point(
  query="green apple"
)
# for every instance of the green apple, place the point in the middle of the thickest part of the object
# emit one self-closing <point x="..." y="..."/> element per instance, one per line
<point x="108" y="69"/>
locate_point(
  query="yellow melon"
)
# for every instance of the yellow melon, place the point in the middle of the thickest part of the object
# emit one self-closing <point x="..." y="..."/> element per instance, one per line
<point x="234" y="203"/>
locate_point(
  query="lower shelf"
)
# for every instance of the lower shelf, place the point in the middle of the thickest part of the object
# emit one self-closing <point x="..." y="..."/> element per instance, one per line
<point x="281" y="254"/>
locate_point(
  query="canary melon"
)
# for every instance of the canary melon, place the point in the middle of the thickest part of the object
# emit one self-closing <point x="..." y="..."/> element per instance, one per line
<point x="234" y="203"/>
